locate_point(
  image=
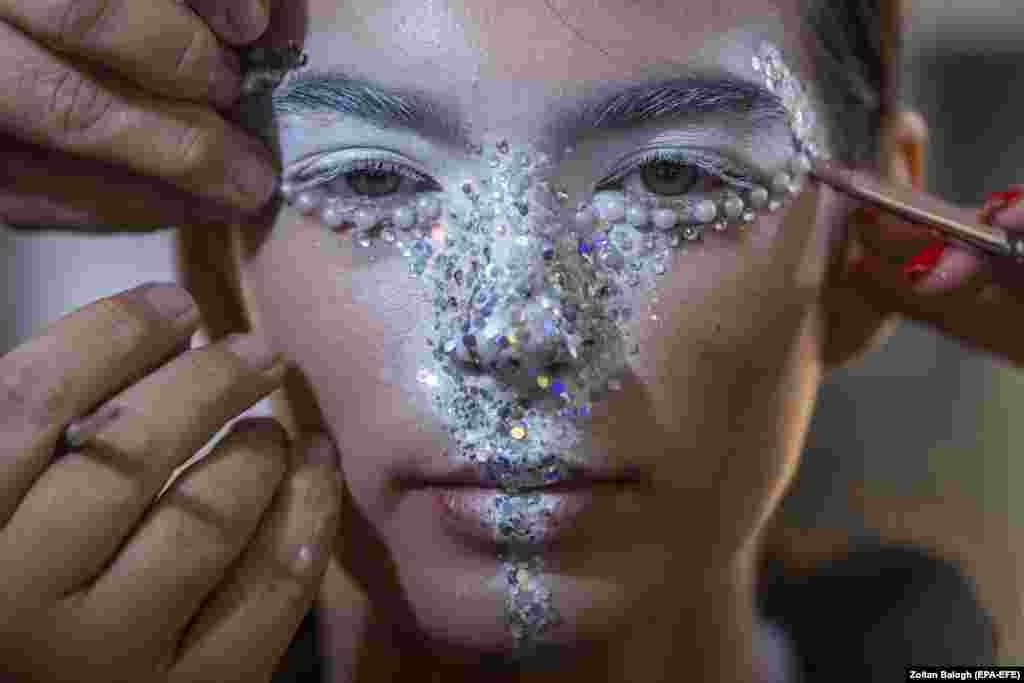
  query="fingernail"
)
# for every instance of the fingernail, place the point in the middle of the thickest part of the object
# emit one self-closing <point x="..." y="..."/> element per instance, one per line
<point x="1001" y="200"/>
<point x="320" y="451"/>
<point x="170" y="300"/>
<point x="924" y="261"/>
<point x="249" y="18"/>
<point x="1003" y="208"/>
<point x="252" y="349"/>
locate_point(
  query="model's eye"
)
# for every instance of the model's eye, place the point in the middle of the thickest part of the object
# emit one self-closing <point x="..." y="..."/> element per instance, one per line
<point x="373" y="183"/>
<point x="669" y="178"/>
<point x="370" y="178"/>
<point x="670" y="173"/>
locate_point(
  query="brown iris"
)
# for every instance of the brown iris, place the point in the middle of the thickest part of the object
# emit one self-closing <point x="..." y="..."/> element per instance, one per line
<point x="669" y="178"/>
<point x="374" y="183"/>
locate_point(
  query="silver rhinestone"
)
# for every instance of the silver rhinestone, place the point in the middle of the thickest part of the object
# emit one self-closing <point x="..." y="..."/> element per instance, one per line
<point x="362" y="239"/>
<point x="759" y="197"/>
<point x="780" y="183"/>
<point x="733" y="207"/>
<point x="387" y="235"/>
<point x="428" y="207"/>
<point x="748" y="217"/>
<point x="774" y="205"/>
<point x="636" y="215"/>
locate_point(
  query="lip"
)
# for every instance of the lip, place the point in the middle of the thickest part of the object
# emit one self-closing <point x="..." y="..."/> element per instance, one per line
<point x="489" y="517"/>
<point x="438" y="475"/>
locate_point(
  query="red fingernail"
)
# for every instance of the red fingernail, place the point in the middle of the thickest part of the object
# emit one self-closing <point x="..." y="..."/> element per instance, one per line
<point x="1007" y="198"/>
<point x="999" y="201"/>
<point x="924" y="261"/>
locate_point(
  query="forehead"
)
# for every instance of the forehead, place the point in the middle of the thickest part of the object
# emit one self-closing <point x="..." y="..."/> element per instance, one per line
<point x="504" y="64"/>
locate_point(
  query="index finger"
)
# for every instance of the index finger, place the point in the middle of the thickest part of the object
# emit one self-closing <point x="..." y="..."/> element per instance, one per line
<point x="161" y="45"/>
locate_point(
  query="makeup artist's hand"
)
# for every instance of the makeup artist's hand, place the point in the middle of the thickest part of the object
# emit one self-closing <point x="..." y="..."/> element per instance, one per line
<point x="972" y="297"/>
<point x="109" y="113"/>
<point x="101" y="580"/>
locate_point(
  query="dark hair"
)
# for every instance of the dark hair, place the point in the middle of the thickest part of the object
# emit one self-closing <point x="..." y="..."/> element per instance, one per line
<point x="848" y="49"/>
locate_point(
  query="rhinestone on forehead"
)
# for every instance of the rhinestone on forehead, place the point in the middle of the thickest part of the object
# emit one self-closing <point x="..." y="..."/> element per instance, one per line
<point x="802" y="117"/>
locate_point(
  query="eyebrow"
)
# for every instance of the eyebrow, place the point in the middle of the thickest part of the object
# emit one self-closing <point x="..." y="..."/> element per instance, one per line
<point x="332" y="91"/>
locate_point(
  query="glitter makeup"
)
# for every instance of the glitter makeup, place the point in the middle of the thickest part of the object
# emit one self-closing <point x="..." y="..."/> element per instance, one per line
<point x="532" y="315"/>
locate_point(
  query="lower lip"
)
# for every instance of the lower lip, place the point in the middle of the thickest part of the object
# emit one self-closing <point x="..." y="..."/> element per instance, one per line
<point x="493" y="516"/>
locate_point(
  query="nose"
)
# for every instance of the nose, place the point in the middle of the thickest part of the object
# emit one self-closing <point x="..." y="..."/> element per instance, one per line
<point x="529" y="320"/>
<point x="527" y="301"/>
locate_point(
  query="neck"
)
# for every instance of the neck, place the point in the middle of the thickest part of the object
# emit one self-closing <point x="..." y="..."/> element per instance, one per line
<point x="710" y="635"/>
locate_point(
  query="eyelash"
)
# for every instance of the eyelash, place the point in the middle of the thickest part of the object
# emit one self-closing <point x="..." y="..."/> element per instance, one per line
<point x="711" y="165"/>
<point x="324" y="172"/>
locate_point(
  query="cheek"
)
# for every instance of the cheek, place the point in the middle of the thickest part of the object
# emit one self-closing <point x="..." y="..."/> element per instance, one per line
<point x="346" y="323"/>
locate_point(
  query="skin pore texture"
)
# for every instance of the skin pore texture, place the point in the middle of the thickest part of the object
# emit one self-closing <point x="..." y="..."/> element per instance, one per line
<point x="492" y="326"/>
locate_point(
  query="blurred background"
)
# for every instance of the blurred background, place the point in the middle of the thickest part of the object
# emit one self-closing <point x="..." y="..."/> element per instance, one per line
<point x="914" y="443"/>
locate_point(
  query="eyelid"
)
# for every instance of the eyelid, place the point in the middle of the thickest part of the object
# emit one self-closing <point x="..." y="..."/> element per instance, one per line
<point x="323" y="168"/>
<point x="710" y="161"/>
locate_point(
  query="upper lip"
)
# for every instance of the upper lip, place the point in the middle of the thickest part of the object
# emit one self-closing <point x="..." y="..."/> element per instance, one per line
<point x="473" y="475"/>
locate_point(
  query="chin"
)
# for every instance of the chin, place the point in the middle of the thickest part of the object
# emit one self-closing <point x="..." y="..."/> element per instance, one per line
<point x="572" y="587"/>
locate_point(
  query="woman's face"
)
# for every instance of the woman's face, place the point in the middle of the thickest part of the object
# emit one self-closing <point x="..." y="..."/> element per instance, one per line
<point x="496" y="347"/>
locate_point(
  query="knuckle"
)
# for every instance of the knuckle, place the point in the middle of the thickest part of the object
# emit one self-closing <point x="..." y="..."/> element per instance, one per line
<point x="315" y="492"/>
<point x="75" y="103"/>
<point x="28" y="391"/>
<point x="78" y="22"/>
<point x="194" y="54"/>
<point x="264" y="438"/>
<point x="288" y="589"/>
<point x="196" y="148"/>
<point x="130" y="445"/>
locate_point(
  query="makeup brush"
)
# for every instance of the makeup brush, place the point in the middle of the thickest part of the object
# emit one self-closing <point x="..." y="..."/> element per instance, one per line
<point x="919" y="207"/>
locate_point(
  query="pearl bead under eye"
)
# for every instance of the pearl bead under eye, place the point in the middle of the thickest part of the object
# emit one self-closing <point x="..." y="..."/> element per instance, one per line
<point x="333" y="216"/>
<point x="404" y="217"/>
<point x="612" y="210"/>
<point x="307" y="203"/>
<point x="664" y="219"/>
<point x="586" y="218"/>
<point x="705" y="211"/>
<point x="365" y="219"/>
